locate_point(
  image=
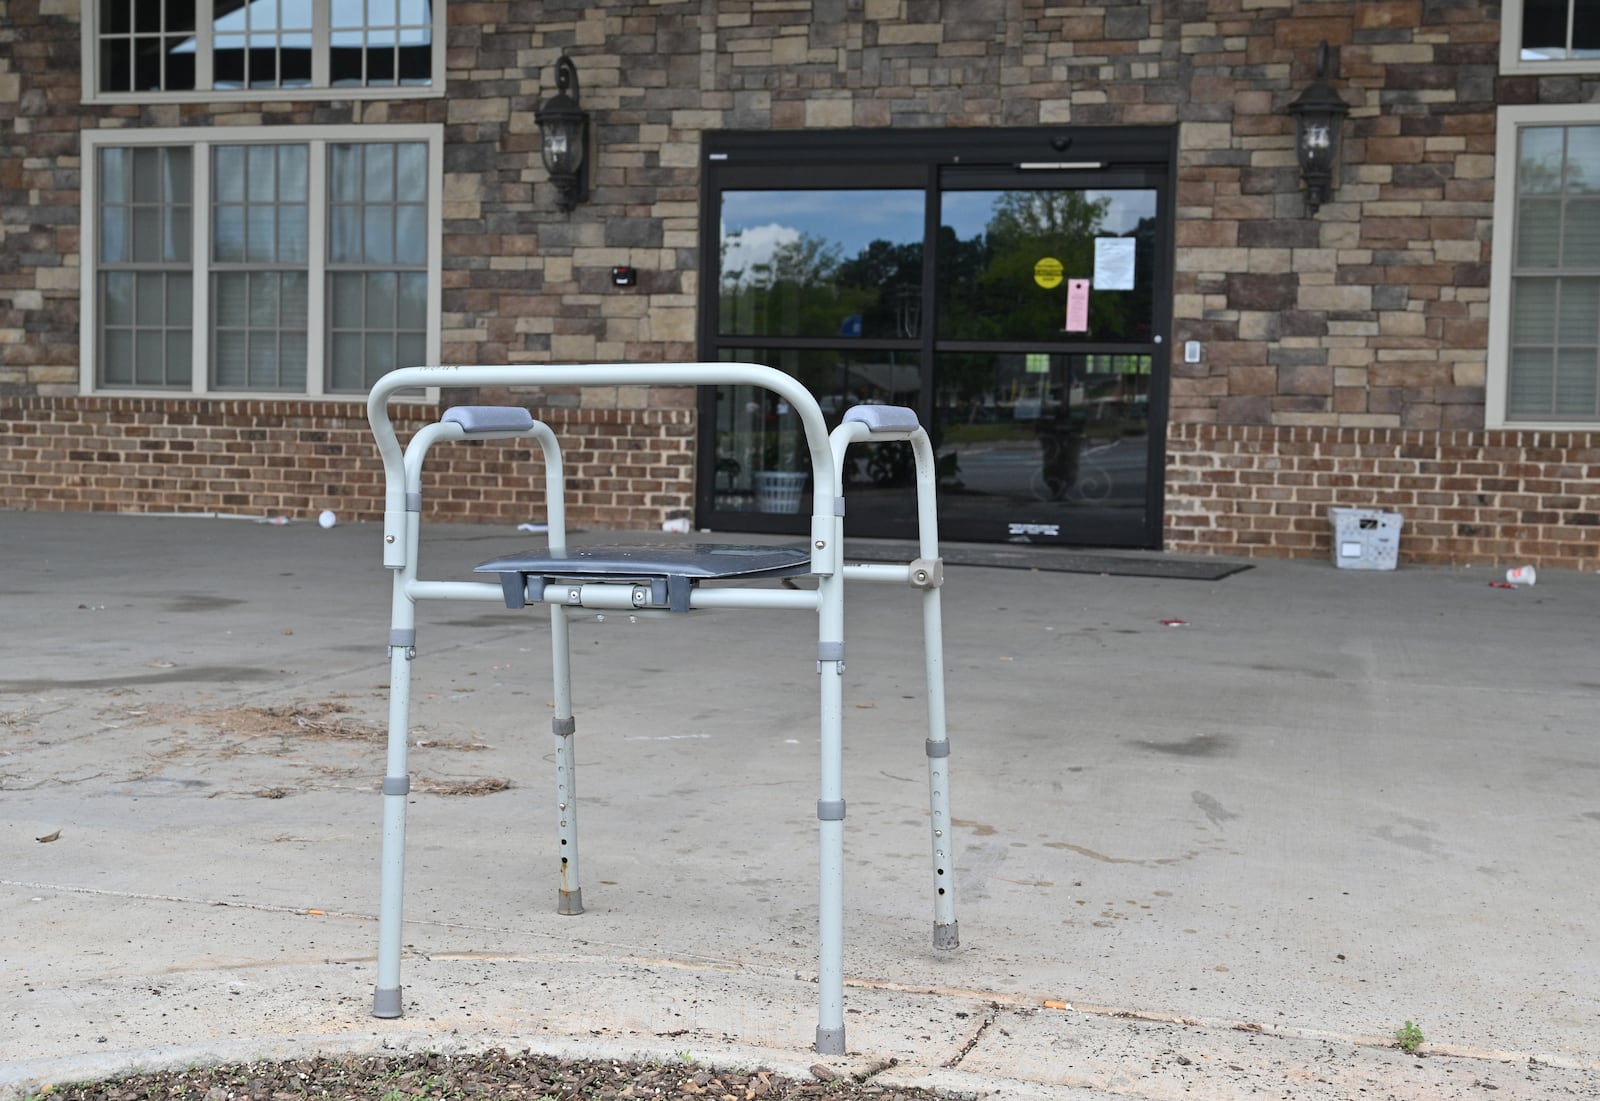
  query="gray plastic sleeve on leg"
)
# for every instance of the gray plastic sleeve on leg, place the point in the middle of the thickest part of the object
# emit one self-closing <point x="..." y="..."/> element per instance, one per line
<point x="570" y="902"/>
<point x="830" y="1041"/>
<point x="413" y="502"/>
<point x="830" y="651"/>
<point x="397" y="785"/>
<point x="937" y="749"/>
<point x="403" y="636"/>
<point x="386" y="1003"/>
<point x="947" y="936"/>
<point x="830" y="810"/>
<point x="838" y="506"/>
<point x="568" y="725"/>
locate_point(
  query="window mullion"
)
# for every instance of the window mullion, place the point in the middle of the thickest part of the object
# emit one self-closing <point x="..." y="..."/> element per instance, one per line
<point x="321" y="67"/>
<point x="201" y="350"/>
<point x="204" y="70"/>
<point x="316" y="266"/>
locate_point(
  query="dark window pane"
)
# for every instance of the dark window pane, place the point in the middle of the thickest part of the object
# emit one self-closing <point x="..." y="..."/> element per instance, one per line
<point x="116" y="16"/>
<point x="180" y="64"/>
<point x="228" y="61"/>
<point x="821" y="263"/>
<point x="116" y="65"/>
<point x="263" y="61"/>
<point x="1586" y="28"/>
<point x="147" y="60"/>
<point x="416" y="64"/>
<point x="380" y="64"/>
<point x="345" y="53"/>
<point x="1544" y="28"/>
<point x="147" y="15"/>
<point x="295" y="60"/>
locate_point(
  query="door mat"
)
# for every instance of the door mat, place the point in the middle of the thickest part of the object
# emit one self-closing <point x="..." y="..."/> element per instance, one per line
<point x="1028" y="556"/>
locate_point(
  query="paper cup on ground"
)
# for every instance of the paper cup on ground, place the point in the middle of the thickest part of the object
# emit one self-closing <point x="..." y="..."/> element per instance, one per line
<point x="1522" y="575"/>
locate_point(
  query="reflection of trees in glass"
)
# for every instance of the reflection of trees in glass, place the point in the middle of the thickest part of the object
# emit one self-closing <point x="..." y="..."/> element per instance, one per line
<point x="887" y="279"/>
<point x="806" y="288"/>
<point x="790" y="292"/>
<point x="987" y="286"/>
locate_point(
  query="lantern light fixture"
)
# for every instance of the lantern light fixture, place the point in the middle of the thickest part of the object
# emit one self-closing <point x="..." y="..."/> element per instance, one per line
<point x="1318" y="121"/>
<point x="564" y="138"/>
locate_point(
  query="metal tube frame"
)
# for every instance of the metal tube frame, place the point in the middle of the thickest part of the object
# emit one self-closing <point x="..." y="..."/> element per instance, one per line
<point x="402" y="513"/>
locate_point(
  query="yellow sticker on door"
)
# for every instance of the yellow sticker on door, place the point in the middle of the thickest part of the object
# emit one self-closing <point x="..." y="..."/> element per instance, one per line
<point x="1048" y="272"/>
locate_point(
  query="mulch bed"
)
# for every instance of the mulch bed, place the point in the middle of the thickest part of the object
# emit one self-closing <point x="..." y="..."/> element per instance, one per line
<point x="489" y="1074"/>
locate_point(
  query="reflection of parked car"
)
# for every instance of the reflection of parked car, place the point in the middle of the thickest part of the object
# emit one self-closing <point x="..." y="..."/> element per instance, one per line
<point x="1032" y="409"/>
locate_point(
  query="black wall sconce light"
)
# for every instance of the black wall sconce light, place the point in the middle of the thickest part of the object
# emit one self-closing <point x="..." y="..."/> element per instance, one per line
<point x="564" y="138"/>
<point x="1318" y="121"/>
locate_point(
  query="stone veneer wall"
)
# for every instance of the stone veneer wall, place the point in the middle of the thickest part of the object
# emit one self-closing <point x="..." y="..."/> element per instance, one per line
<point x="1363" y="327"/>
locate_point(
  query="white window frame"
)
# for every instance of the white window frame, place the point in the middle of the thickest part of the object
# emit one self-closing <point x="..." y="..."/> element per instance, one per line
<point x="1509" y="121"/>
<point x="321" y="38"/>
<point x="1511" y="59"/>
<point x="201" y="140"/>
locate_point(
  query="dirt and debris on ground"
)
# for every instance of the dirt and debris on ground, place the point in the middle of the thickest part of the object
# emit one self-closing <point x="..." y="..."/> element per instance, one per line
<point x="494" y="1073"/>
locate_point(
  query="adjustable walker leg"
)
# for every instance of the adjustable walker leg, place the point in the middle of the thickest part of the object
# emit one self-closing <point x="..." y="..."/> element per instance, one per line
<point x="830" y="815"/>
<point x="396" y="789"/>
<point x="946" y="933"/>
<point x="564" y="727"/>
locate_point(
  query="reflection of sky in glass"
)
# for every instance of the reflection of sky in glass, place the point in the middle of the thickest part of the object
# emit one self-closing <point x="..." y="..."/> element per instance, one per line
<point x="968" y="212"/>
<point x="269" y="15"/>
<point x="851" y="220"/>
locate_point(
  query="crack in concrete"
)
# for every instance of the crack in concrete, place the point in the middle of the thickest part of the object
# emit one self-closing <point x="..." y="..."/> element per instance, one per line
<point x="972" y="1041"/>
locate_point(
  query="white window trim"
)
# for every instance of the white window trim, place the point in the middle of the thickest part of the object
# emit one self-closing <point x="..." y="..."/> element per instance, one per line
<point x="1508" y="122"/>
<point x="1511" y="59"/>
<point x="91" y="68"/>
<point x="201" y="139"/>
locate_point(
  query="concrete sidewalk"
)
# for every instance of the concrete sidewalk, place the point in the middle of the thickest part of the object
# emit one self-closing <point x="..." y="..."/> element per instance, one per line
<point x="1227" y="858"/>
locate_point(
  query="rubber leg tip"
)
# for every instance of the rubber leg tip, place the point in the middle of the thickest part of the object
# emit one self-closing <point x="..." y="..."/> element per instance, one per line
<point x="947" y="936"/>
<point x="830" y="1041"/>
<point x="386" y="1003"/>
<point x="570" y="902"/>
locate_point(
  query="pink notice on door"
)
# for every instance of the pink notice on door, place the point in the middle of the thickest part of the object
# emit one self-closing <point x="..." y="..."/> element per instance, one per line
<point x="1077" y="306"/>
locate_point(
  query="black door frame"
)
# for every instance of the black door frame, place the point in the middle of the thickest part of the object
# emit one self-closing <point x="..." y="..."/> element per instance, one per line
<point x="1035" y="157"/>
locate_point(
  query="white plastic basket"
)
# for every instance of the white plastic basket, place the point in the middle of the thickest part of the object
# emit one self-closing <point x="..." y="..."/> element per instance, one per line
<point x="1365" y="539"/>
<point x="780" y="490"/>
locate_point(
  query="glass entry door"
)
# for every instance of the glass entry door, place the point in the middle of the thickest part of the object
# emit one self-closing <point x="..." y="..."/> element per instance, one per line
<point x="1049" y="338"/>
<point x="1020" y="308"/>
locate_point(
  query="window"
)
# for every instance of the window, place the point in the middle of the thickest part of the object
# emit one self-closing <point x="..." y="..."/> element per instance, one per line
<point x="1544" y="331"/>
<point x="1550" y="36"/>
<point x="304" y="264"/>
<point x="209" y="50"/>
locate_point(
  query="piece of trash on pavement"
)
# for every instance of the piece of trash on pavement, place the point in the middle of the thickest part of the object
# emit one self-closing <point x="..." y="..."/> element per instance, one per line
<point x="49" y="837"/>
<point x="1501" y="585"/>
<point x="678" y="524"/>
<point x="1051" y="1003"/>
<point x="275" y="521"/>
<point x="1174" y="623"/>
<point x="536" y="528"/>
<point x="327" y="518"/>
<point x="1522" y="575"/>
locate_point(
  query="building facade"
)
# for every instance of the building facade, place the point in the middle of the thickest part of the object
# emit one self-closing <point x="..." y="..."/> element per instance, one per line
<point x="1073" y="235"/>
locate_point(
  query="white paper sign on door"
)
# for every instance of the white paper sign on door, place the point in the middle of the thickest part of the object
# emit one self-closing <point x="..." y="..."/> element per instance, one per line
<point x="1113" y="263"/>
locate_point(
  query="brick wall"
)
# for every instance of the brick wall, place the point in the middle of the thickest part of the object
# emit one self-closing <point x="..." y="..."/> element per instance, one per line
<point x="1468" y="498"/>
<point x="625" y="468"/>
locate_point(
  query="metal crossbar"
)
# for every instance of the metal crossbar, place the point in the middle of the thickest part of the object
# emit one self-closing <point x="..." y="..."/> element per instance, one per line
<point x="665" y="580"/>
